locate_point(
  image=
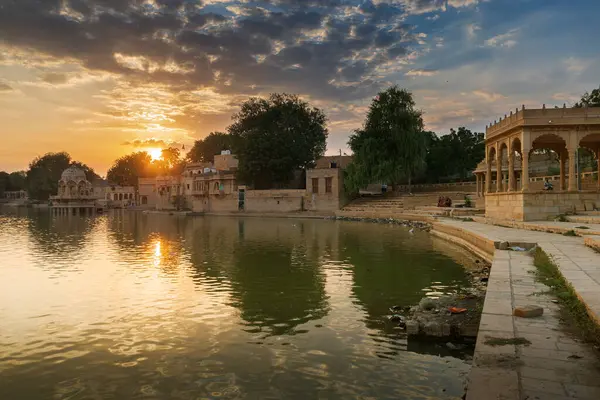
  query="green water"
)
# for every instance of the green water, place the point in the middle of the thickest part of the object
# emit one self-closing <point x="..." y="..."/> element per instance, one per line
<point x="136" y="306"/>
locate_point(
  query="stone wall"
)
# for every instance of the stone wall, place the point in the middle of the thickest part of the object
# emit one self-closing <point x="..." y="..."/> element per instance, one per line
<point x="536" y="206"/>
<point x="275" y="201"/>
<point x="323" y="200"/>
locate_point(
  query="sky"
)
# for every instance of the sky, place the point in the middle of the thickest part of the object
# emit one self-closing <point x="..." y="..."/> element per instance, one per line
<point x="103" y="78"/>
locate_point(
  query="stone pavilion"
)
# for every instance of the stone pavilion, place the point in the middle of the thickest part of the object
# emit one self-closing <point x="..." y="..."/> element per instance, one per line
<point x="515" y="138"/>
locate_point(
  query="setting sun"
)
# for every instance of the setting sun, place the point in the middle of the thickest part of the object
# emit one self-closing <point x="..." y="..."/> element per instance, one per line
<point x="155" y="154"/>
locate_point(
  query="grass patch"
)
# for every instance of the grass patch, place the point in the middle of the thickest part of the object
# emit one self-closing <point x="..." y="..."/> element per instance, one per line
<point x="582" y="227"/>
<point x="573" y="311"/>
<point x="570" y="232"/>
<point x="492" y="341"/>
<point x="561" y="218"/>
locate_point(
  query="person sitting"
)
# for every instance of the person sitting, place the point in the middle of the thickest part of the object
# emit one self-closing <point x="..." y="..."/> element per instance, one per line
<point x="548" y="185"/>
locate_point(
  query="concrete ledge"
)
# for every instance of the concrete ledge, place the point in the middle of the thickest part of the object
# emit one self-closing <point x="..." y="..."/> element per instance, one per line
<point x="593" y="242"/>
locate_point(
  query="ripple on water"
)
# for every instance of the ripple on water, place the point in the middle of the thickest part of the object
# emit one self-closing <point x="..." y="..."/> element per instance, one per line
<point x="130" y="305"/>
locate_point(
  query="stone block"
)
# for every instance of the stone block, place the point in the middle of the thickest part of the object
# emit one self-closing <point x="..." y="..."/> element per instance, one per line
<point x="446" y="330"/>
<point x="433" y="329"/>
<point x="589" y="206"/>
<point x="412" y="327"/>
<point x="529" y="311"/>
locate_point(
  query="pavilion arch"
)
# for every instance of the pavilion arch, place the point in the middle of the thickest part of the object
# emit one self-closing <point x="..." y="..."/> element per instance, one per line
<point x="516" y="145"/>
<point x="557" y="144"/>
<point x="491" y="156"/>
<point x="550" y="141"/>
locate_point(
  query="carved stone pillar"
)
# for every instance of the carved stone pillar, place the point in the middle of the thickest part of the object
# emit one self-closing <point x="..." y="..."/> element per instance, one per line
<point x="488" y="177"/>
<point x="563" y="156"/>
<point x="499" y="172"/>
<point x="525" y="172"/>
<point x="572" y="174"/>
<point x="598" y="161"/>
<point x="511" y="171"/>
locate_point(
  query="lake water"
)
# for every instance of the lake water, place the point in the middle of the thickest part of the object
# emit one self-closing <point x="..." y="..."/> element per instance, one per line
<point x="136" y="306"/>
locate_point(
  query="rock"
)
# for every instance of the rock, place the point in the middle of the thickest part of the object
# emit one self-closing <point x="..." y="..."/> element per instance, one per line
<point x="483" y="279"/>
<point x="395" y="308"/>
<point x="427" y="304"/>
<point x="446" y="330"/>
<point x="503" y="246"/>
<point x="529" y="311"/>
<point x="433" y="329"/>
<point x="395" y="318"/>
<point x="412" y="327"/>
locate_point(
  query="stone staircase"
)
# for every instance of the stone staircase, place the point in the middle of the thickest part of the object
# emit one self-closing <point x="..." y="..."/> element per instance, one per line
<point x="418" y="205"/>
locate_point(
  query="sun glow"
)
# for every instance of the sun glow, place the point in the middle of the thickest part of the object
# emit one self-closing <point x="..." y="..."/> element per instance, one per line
<point x="155" y="154"/>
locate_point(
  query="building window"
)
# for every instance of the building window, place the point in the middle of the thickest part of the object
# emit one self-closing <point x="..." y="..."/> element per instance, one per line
<point x="315" y="185"/>
<point x="328" y="182"/>
<point x="120" y="196"/>
<point x="116" y="197"/>
<point x="144" y="200"/>
<point x="188" y="186"/>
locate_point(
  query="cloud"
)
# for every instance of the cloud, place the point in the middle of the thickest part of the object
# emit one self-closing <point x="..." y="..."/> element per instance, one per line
<point x="488" y="96"/>
<point x="472" y="30"/>
<point x="152" y="142"/>
<point x="503" y="40"/>
<point x="5" y="87"/>
<point x="576" y="65"/>
<point x="427" y="6"/>
<point x="421" y="72"/>
<point x="186" y="46"/>
<point x="54" y="78"/>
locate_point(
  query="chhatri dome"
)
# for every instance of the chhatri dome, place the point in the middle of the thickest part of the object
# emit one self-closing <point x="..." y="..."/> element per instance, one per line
<point x="73" y="174"/>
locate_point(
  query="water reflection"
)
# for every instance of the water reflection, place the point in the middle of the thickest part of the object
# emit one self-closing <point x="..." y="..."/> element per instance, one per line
<point x="154" y="306"/>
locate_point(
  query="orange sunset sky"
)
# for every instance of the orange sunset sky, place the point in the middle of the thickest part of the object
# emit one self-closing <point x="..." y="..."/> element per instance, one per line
<point x="103" y="78"/>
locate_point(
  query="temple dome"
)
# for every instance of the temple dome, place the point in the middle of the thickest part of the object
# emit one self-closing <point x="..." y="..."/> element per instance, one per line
<point x="73" y="174"/>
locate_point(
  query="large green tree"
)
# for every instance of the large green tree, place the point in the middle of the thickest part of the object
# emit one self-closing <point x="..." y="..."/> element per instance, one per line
<point x="206" y="149"/>
<point x="275" y="136"/>
<point x="44" y="173"/>
<point x="589" y="99"/>
<point x="12" y="181"/>
<point x="127" y="169"/>
<point x="454" y="155"/>
<point x="391" y="146"/>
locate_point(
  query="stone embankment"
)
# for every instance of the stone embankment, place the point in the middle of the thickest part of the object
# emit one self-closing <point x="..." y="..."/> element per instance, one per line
<point x="526" y="358"/>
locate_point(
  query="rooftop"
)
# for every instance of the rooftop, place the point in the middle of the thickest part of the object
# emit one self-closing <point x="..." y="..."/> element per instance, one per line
<point x="544" y="117"/>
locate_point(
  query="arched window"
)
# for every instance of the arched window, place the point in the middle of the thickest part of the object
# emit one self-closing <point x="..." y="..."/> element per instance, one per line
<point x="120" y="196"/>
<point x="116" y="197"/>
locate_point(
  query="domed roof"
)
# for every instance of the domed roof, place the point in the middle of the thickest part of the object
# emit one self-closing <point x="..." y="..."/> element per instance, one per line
<point x="73" y="174"/>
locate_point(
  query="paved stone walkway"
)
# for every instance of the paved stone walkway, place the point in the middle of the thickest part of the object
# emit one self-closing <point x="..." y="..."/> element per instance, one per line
<point x="555" y="365"/>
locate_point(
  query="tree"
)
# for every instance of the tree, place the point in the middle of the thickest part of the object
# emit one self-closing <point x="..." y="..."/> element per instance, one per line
<point x="391" y="145"/>
<point x="275" y="136"/>
<point x="170" y="162"/>
<point x="127" y="169"/>
<point x="589" y="99"/>
<point x="204" y="150"/>
<point x="454" y="155"/>
<point x="45" y="172"/>
<point x="17" y="181"/>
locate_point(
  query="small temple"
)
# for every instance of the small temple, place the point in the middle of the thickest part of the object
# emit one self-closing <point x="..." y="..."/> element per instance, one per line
<point x="75" y="194"/>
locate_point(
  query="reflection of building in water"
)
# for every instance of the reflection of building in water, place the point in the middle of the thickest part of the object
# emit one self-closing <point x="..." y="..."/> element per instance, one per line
<point x="212" y="187"/>
<point x="75" y="194"/>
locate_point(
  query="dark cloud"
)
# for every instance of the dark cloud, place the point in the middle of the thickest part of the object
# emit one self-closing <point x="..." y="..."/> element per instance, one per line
<point x="178" y="43"/>
<point x="139" y="143"/>
<point x="54" y="78"/>
<point x="5" y="88"/>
